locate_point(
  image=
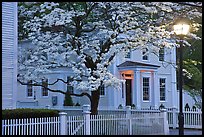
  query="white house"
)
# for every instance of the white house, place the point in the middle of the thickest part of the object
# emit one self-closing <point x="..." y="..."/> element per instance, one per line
<point x="150" y="82"/>
<point x="9" y="54"/>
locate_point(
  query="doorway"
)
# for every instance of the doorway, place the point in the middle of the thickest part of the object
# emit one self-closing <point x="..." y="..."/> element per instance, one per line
<point x="128" y="85"/>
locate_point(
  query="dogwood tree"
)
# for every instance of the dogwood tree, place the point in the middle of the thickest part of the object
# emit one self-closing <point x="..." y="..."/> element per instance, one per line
<point x="87" y="36"/>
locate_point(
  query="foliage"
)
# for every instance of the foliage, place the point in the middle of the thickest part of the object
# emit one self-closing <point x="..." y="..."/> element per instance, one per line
<point x="120" y="106"/>
<point x="77" y="104"/>
<point x="68" y="100"/>
<point x="133" y="106"/>
<point x="28" y="113"/>
<point x="161" y="106"/>
<point x="193" y="69"/>
<point x="88" y="36"/>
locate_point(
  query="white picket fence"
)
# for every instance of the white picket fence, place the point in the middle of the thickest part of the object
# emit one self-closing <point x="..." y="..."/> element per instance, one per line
<point x="154" y="123"/>
<point x="192" y="118"/>
<point x="31" y="126"/>
<point x="86" y="124"/>
<point x="108" y="122"/>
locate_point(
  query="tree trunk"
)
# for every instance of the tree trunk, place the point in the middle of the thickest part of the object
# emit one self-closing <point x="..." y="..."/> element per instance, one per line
<point x="95" y="95"/>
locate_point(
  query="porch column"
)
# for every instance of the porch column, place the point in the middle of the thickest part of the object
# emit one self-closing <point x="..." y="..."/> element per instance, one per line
<point x="136" y="89"/>
<point x="156" y="90"/>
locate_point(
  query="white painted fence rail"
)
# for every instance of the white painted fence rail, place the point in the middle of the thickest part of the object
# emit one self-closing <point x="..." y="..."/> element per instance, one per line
<point x="107" y="122"/>
<point x="31" y="126"/>
<point x="118" y="124"/>
<point x="192" y="118"/>
<point x="111" y="124"/>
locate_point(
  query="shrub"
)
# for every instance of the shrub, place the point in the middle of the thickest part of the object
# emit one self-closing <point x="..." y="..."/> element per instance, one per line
<point x="28" y="113"/>
<point x="120" y="106"/>
<point x="161" y="106"/>
<point x="68" y="100"/>
<point x="77" y="104"/>
<point x="133" y="106"/>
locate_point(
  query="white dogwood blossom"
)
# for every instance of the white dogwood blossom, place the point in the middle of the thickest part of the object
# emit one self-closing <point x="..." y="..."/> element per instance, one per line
<point x="86" y="37"/>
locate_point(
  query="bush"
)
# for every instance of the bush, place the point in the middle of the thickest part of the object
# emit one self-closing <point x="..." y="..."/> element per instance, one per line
<point x="68" y="100"/>
<point x="120" y="106"/>
<point x="77" y="104"/>
<point x="28" y="113"/>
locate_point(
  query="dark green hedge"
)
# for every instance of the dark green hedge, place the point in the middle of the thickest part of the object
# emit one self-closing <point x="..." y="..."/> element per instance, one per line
<point x="28" y="113"/>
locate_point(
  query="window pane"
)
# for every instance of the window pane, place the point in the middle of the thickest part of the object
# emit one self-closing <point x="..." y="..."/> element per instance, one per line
<point x="122" y="90"/>
<point x="29" y="89"/>
<point x="70" y="88"/>
<point x="145" y="88"/>
<point x="44" y="90"/>
<point x="162" y="89"/>
<point x="102" y="90"/>
<point x="128" y="54"/>
<point x="144" y="54"/>
<point x="161" y="54"/>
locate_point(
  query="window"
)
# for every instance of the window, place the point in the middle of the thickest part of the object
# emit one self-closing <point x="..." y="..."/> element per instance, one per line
<point x="162" y="88"/>
<point x="161" y="54"/>
<point x="29" y="89"/>
<point x="70" y="88"/>
<point x="122" y="90"/>
<point x="145" y="54"/>
<point x="44" y="90"/>
<point x="102" y="90"/>
<point x="128" y="54"/>
<point x="145" y="88"/>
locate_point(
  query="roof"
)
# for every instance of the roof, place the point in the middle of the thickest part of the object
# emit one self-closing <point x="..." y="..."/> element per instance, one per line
<point x="131" y="63"/>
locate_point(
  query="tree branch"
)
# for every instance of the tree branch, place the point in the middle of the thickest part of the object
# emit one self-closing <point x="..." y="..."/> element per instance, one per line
<point x="59" y="91"/>
<point x="36" y="84"/>
<point x="58" y="80"/>
<point x="190" y="4"/>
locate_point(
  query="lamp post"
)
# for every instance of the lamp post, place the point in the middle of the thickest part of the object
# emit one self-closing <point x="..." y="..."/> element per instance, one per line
<point x="181" y="29"/>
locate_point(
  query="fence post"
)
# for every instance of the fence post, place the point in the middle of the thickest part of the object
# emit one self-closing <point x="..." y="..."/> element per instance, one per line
<point x="86" y="114"/>
<point x="129" y="118"/>
<point x="174" y="117"/>
<point x="63" y="123"/>
<point x="166" y="125"/>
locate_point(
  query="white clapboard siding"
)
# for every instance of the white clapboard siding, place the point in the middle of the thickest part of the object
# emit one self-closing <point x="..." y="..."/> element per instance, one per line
<point x="9" y="54"/>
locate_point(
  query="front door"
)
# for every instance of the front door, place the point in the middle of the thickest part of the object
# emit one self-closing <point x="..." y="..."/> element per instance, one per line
<point x="128" y="85"/>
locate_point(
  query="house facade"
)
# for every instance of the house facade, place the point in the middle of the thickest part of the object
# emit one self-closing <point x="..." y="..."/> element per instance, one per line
<point x="9" y="54"/>
<point x="150" y="80"/>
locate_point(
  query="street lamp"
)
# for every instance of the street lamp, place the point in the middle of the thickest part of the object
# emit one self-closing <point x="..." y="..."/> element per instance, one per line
<point x="181" y="29"/>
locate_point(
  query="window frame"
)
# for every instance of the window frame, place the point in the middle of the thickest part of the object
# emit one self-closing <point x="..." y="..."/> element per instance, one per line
<point x="103" y="89"/>
<point x="44" y="90"/>
<point x="161" y="53"/>
<point x="69" y="86"/>
<point x="122" y="90"/>
<point x="145" y="54"/>
<point x="128" y="55"/>
<point x="29" y="87"/>
<point x="148" y="87"/>
<point x="162" y="88"/>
